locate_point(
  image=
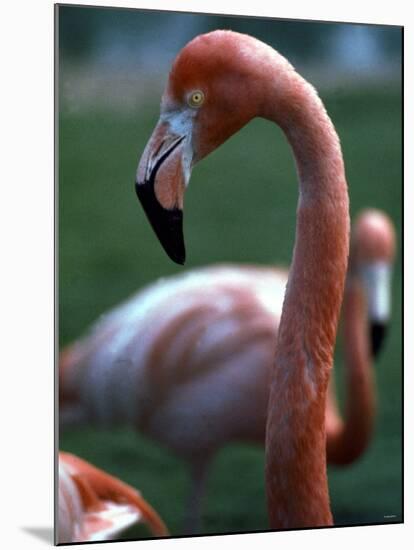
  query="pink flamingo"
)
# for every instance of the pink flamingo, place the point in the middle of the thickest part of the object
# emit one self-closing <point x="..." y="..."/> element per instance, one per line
<point x="218" y="83"/>
<point x="94" y="505"/>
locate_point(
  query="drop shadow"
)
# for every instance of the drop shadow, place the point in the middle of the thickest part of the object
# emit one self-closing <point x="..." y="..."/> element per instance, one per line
<point x="43" y="533"/>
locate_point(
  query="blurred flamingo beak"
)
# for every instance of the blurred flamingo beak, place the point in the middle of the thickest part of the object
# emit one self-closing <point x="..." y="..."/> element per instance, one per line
<point x="376" y="277"/>
<point x="160" y="184"/>
<point x="378" y="332"/>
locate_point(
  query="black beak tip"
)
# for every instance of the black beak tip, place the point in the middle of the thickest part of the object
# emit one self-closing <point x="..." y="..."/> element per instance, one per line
<point x="175" y="253"/>
<point x="179" y="261"/>
<point x="167" y="224"/>
<point x="378" y="333"/>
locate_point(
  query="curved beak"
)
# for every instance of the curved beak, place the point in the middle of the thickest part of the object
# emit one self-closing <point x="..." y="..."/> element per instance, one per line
<point x="160" y="183"/>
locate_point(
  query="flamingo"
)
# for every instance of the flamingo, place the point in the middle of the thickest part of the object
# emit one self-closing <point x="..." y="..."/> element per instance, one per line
<point x="218" y="82"/>
<point x="94" y="505"/>
<point x="219" y="333"/>
<point x="367" y="295"/>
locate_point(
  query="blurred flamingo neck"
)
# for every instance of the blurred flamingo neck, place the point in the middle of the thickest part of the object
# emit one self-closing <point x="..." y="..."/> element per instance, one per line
<point x="295" y="437"/>
<point x="352" y="436"/>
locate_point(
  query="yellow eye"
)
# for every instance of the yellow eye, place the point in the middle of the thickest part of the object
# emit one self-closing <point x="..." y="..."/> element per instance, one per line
<point x="196" y="99"/>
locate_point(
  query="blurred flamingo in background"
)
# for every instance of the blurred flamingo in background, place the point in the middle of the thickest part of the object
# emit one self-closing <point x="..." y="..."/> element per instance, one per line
<point x="365" y="315"/>
<point x="187" y="360"/>
<point x="95" y="506"/>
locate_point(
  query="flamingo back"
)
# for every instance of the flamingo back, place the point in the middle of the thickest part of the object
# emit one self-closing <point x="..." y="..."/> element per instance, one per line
<point x="163" y="360"/>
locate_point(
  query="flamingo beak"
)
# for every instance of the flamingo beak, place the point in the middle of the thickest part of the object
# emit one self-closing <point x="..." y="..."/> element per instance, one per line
<point x="378" y="333"/>
<point x="162" y="175"/>
<point x="377" y="281"/>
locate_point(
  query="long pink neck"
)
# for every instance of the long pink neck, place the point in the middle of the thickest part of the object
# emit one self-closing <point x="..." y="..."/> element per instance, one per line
<point x="296" y="477"/>
<point x="349" y="438"/>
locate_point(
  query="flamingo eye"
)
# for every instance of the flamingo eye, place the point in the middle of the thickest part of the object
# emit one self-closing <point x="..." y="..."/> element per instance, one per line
<point x="196" y="99"/>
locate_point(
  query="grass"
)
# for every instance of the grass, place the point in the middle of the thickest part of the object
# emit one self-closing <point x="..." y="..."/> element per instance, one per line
<point x="240" y="207"/>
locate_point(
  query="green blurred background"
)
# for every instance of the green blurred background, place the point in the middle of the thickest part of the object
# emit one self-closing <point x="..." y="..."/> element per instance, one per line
<point x="112" y="69"/>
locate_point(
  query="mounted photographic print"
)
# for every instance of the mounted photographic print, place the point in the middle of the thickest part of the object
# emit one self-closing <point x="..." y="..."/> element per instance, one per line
<point x="229" y="221"/>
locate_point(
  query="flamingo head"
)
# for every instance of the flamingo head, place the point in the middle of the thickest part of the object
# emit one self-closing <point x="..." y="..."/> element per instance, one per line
<point x="372" y="256"/>
<point x="212" y="92"/>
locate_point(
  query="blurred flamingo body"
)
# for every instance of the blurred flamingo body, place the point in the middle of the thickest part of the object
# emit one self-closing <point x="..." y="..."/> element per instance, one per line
<point x="154" y="359"/>
<point x="92" y="505"/>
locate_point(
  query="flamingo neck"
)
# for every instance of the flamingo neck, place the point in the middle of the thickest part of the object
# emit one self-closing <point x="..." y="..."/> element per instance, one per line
<point x="296" y="477"/>
<point x="350" y="438"/>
